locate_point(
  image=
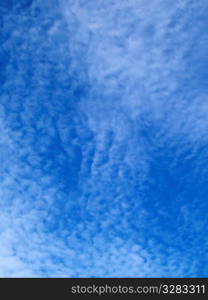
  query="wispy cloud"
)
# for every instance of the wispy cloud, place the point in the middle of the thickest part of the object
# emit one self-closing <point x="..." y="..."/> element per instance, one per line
<point x="103" y="139"/>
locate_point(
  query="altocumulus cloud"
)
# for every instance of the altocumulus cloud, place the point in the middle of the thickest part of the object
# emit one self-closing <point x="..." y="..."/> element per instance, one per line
<point x="103" y="145"/>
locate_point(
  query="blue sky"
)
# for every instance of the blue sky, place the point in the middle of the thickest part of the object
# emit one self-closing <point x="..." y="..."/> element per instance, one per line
<point x="103" y="144"/>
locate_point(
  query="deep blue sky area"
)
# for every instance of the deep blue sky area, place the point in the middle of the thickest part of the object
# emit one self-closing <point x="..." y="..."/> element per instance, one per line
<point x="103" y="138"/>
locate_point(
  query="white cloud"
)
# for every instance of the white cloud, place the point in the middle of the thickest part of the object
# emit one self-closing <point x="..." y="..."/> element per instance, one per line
<point x="76" y="170"/>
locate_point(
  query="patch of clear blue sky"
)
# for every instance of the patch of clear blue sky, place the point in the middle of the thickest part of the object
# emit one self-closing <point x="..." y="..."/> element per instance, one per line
<point x="103" y="146"/>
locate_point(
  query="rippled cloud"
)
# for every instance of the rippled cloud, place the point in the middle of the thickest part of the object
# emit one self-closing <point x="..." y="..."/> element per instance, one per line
<point x="103" y="119"/>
